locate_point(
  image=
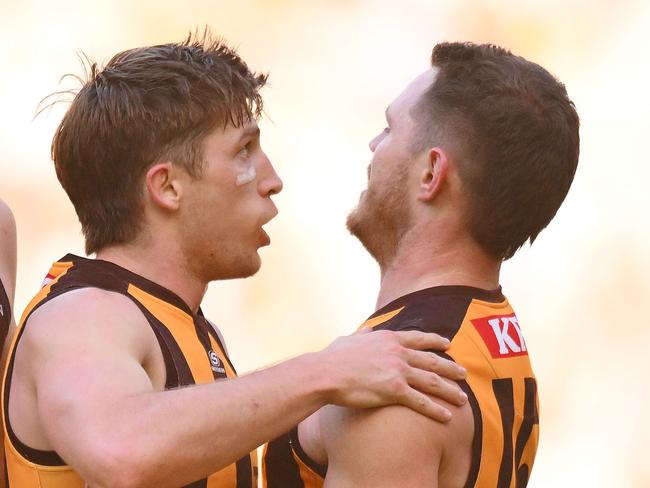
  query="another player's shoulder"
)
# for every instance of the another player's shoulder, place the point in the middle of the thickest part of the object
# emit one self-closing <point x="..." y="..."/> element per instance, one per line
<point x="7" y="221"/>
<point x="7" y="249"/>
<point x="7" y="232"/>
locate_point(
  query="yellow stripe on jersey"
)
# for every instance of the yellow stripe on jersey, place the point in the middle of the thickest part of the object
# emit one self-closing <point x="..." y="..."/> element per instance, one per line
<point x="309" y="477"/>
<point x="375" y="321"/>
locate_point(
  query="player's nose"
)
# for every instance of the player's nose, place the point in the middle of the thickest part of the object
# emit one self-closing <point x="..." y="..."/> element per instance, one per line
<point x="270" y="183"/>
<point x="374" y="142"/>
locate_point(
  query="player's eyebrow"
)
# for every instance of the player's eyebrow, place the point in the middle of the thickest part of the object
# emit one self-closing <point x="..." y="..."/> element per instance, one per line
<point x="250" y="131"/>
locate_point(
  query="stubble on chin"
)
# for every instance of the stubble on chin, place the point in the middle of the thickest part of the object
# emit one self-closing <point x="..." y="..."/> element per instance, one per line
<point x="379" y="223"/>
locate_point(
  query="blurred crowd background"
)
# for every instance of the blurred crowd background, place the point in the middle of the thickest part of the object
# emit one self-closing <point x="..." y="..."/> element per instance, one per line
<point x="582" y="291"/>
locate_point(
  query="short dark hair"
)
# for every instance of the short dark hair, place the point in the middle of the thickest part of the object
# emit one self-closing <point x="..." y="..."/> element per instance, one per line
<point x="146" y="104"/>
<point x="515" y="134"/>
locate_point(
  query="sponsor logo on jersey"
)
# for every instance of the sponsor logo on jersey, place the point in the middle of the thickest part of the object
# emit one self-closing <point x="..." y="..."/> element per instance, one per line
<point x="215" y="362"/>
<point x="502" y="335"/>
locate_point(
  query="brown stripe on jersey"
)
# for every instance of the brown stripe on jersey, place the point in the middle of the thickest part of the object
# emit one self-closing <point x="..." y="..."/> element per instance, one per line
<point x="279" y="466"/>
<point x="531" y="418"/>
<point x="503" y="391"/>
<point x="177" y="371"/>
<point x="424" y="295"/>
<point x="477" y="444"/>
<point x="244" y="472"/>
<point x="99" y="266"/>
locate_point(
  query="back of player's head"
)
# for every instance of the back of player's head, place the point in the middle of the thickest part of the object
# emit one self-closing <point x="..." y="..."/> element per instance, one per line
<point x="146" y="105"/>
<point x="514" y="134"/>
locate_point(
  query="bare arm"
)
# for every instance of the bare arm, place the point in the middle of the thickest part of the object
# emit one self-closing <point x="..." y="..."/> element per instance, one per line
<point x="8" y="277"/>
<point x="107" y="421"/>
<point x="8" y="263"/>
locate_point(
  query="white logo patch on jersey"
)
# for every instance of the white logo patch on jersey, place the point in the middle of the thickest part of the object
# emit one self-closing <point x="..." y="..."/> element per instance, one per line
<point x="215" y="362"/>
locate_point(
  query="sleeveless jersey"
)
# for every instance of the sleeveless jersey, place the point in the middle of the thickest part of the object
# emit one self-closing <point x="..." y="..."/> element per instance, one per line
<point x="486" y="339"/>
<point x="191" y="349"/>
<point x="5" y="314"/>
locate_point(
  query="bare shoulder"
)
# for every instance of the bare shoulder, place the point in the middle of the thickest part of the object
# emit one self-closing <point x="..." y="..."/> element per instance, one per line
<point x="376" y="424"/>
<point x="88" y="318"/>
<point x="399" y="446"/>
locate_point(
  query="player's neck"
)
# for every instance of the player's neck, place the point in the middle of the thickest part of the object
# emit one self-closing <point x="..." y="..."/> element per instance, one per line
<point x="160" y="264"/>
<point x="423" y="263"/>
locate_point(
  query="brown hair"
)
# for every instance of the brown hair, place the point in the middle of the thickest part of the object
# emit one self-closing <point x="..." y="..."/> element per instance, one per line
<point x="146" y="104"/>
<point x="514" y="133"/>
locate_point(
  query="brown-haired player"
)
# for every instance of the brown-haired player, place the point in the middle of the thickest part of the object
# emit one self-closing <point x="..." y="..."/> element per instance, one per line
<point x="7" y="289"/>
<point x="477" y="156"/>
<point x="114" y="379"/>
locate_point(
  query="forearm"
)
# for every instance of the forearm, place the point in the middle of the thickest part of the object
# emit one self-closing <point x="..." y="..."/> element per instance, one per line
<point x="174" y="437"/>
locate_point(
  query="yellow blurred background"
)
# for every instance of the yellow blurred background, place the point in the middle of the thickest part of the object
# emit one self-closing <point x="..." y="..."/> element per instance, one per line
<point x="581" y="291"/>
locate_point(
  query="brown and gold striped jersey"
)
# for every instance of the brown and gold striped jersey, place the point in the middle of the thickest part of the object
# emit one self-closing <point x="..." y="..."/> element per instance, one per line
<point x="192" y="351"/>
<point x="487" y="340"/>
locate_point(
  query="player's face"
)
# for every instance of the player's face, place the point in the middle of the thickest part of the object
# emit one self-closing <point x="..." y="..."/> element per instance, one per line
<point x="383" y="213"/>
<point x="226" y="207"/>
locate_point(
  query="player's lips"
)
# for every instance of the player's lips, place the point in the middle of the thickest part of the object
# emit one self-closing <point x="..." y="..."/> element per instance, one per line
<point x="265" y="240"/>
<point x="272" y="215"/>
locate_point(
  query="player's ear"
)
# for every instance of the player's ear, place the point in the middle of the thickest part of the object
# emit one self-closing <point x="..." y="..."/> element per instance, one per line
<point x="164" y="185"/>
<point x="433" y="174"/>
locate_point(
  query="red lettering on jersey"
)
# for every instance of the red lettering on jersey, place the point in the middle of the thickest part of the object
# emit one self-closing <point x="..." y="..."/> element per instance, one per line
<point x="502" y="335"/>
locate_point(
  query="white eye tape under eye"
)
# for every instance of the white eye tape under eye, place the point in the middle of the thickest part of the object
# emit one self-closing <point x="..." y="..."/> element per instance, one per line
<point x="247" y="176"/>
